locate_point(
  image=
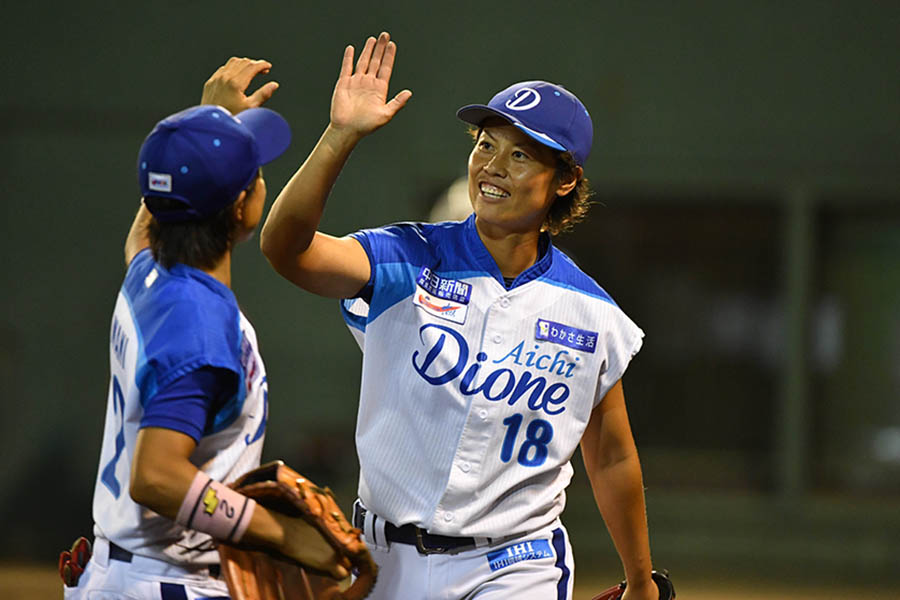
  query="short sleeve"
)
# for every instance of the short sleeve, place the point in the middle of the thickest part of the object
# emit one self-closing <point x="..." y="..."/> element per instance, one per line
<point x="621" y="340"/>
<point x="189" y="403"/>
<point x="396" y="253"/>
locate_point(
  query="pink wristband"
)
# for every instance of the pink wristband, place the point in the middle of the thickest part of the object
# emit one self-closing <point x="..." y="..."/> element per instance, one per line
<point x="214" y="508"/>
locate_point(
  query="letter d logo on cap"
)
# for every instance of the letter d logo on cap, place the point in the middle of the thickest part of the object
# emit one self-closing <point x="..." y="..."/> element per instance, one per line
<point x="524" y="99"/>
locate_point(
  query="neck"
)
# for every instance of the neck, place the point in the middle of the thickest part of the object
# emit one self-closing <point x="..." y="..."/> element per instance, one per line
<point x="512" y="251"/>
<point x="222" y="270"/>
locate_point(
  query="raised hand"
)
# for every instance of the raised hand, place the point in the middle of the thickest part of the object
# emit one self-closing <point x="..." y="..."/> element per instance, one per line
<point x="227" y="86"/>
<point x="359" y="104"/>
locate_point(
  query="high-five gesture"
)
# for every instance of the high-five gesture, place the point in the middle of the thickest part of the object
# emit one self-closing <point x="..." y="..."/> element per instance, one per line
<point x="359" y="104"/>
<point x="323" y="264"/>
<point x="227" y="86"/>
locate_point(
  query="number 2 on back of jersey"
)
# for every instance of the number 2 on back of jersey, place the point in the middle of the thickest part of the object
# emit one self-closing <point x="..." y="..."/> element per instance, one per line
<point x="108" y="475"/>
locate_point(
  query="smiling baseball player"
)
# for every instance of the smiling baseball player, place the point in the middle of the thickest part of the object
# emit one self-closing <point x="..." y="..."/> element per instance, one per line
<point x="488" y="355"/>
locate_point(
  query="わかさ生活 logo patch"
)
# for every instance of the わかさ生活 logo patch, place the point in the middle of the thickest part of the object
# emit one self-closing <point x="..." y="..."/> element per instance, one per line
<point x="571" y="337"/>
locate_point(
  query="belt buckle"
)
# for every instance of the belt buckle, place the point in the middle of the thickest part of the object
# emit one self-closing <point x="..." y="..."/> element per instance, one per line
<point x="420" y="545"/>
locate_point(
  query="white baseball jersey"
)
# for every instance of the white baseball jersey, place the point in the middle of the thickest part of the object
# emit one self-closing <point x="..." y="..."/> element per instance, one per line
<point x="168" y="323"/>
<point x="475" y="396"/>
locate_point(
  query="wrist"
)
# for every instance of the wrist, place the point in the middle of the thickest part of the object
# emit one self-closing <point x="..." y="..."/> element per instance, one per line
<point x="640" y="585"/>
<point x="341" y="140"/>
<point x="265" y="529"/>
<point x="214" y="508"/>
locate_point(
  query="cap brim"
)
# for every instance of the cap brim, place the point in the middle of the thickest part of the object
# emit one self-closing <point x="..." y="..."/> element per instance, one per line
<point x="477" y="113"/>
<point x="271" y="132"/>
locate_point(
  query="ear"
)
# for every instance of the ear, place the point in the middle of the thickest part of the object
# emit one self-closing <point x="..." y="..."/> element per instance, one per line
<point x="238" y="207"/>
<point x="568" y="184"/>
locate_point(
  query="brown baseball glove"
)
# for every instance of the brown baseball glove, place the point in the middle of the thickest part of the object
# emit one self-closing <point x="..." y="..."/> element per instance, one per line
<point x="257" y="574"/>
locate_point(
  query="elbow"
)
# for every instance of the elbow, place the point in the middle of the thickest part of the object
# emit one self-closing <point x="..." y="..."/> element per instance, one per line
<point x="140" y="492"/>
<point x="274" y="251"/>
<point x="604" y="458"/>
<point x="265" y="238"/>
<point x="283" y="252"/>
<point x="145" y="487"/>
<point x="274" y="254"/>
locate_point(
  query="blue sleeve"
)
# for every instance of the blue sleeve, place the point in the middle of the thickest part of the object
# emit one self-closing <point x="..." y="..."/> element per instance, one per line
<point x="366" y="292"/>
<point x="394" y="251"/>
<point x="186" y="320"/>
<point x="189" y="403"/>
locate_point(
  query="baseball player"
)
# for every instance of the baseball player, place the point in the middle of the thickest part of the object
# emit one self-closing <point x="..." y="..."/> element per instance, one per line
<point x="488" y="355"/>
<point x="187" y="402"/>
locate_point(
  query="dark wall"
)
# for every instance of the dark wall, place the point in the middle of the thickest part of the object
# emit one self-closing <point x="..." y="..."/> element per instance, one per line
<point x="696" y="94"/>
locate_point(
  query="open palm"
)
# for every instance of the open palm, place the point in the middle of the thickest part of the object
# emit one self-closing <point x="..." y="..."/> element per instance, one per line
<point x="359" y="103"/>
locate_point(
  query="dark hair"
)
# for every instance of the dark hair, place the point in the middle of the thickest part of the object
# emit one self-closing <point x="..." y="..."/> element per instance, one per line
<point x="573" y="207"/>
<point x="200" y="243"/>
<point x="565" y="210"/>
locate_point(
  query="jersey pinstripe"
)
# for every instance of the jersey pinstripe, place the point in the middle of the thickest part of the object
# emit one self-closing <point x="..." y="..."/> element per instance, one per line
<point x="167" y="323"/>
<point x="474" y="396"/>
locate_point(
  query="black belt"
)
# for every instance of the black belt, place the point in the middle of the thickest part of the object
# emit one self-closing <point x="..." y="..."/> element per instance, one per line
<point x="117" y="552"/>
<point x="425" y="543"/>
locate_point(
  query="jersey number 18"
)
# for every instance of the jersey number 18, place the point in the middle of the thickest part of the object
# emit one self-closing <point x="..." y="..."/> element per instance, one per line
<point x="533" y="451"/>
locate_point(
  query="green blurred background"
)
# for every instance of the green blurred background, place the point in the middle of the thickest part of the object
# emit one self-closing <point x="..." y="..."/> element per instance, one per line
<point x="747" y="167"/>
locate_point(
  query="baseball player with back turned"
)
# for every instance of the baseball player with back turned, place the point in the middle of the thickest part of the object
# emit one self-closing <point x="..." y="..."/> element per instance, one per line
<point x="488" y="356"/>
<point x="187" y="401"/>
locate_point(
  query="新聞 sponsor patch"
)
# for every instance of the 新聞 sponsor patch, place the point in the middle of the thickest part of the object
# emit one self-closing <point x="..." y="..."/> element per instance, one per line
<point x="442" y="297"/>
<point x="443" y="288"/>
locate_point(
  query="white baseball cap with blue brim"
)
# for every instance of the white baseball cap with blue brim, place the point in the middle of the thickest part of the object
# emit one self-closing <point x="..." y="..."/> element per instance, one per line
<point x="204" y="156"/>
<point x="548" y="113"/>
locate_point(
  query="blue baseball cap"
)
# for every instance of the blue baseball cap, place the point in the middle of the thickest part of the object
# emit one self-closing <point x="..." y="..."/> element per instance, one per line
<point x="547" y="112"/>
<point x="204" y="157"/>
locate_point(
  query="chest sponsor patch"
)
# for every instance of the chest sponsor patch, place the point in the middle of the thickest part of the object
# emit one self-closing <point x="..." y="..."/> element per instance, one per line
<point x="571" y="337"/>
<point x="442" y="297"/>
<point x="531" y="550"/>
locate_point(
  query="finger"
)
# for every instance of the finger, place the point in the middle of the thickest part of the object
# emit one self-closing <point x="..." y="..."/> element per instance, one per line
<point x="387" y="63"/>
<point x="249" y="70"/>
<point x="232" y="67"/>
<point x="347" y="62"/>
<point x="363" y="63"/>
<point x="398" y="102"/>
<point x="378" y="54"/>
<point x="262" y="95"/>
<point x="340" y="572"/>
